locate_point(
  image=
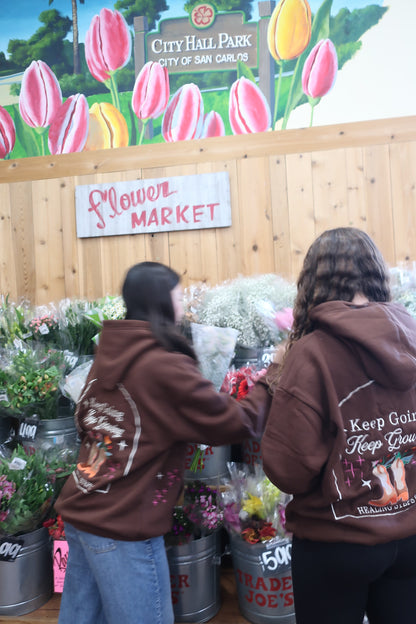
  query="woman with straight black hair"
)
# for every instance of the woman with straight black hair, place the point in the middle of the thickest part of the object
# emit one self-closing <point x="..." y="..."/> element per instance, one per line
<point x="341" y="437"/>
<point x="143" y="401"/>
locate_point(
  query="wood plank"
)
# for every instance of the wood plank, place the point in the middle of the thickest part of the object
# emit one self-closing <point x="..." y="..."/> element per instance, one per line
<point x="379" y="200"/>
<point x="7" y="257"/>
<point x="302" y="228"/>
<point x="22" y="239"/>
<point x="329" y="189"/>
<point x="280" y="216"/>
<point x="403" y="189"/>
<point x="373" y="132"/>
<point x="356" y="194"/>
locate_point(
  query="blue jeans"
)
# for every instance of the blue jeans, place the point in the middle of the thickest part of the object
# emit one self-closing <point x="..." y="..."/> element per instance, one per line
<point x="110" y="581"/>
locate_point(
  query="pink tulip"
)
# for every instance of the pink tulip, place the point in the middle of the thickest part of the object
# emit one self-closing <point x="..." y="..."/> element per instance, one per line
<point x="151" y="91"/>
<point x="320" y="69"/>
<point x="69" y="129"/>
<point x="7" y="133"/>
<point x="107" y="44"/>
<point x="184" y="115"/>
<point x="249" y="110"/>
<point x="40" y="95"/>
<point x="213" y="125"/>
<point x="284" y="319"/>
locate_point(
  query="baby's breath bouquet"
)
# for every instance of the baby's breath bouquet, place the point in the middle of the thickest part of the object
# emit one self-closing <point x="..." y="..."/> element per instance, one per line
<point x="403" y="286"/>
<point x="240" y="304"/>
<point x="106" y="309"/>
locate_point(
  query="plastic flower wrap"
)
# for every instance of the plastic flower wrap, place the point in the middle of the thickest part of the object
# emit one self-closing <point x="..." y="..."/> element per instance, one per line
<point x="254" y="508"/>
<point x="74" y="382"/>
<point x="235" y="304"/>
<point x="214" y="347"/>
<point x="200" y="514"/>
<point x="26" y="492"/>
<point x="403" y="286"/>
<point x="77" y="330"/>
<point x="13" y="322"/>
<point x="108" y="308"/>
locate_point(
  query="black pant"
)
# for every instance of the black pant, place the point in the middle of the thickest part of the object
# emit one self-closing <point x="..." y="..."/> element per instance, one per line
<point x="337" y="583"/>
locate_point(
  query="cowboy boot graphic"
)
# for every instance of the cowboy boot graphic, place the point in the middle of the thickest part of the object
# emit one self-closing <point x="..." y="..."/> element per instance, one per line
<point x="389" y="496"/>
<point x="399" y="477"/>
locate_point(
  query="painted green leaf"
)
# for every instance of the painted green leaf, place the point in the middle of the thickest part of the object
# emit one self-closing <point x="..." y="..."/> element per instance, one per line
<point x="244" y="70"/>
<point x="26" y="135"/>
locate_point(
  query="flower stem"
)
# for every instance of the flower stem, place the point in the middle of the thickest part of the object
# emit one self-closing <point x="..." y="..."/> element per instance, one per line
<point x="114" y="91"/>
<point x="144" y="124"/>
<point x="276" y="102"/>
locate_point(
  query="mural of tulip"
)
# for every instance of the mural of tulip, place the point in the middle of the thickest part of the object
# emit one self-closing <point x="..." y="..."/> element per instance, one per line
<point x="69" y="128"/>
<point x="107" y="48"/>
<point x="248" y="110"/>
<point x="184" y="115"/>
<point x="107" y="127"/>
<point x="213" y="125"/>
<point x="40" y="95"/>
<point x="289" y="30"/>
<point x="319" y="72"/>
<point x="150" y="93"/>
<point x="7" y="133"/>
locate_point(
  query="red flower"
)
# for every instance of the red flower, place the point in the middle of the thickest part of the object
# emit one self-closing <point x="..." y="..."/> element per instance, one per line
<point x="7" y="133"/>
<point x="249" y="110"/>
<point x="213" y="125"/>
<point x="267" y="532"/>
<point x="151" y="91"/>
<point x="320" y="69"/>
<point x="184" y="115"/>
<point x="69" y="129"/>
<point x="107" y="44"/>
<point x="250" y="535"/>
<point x="40" y="95"/>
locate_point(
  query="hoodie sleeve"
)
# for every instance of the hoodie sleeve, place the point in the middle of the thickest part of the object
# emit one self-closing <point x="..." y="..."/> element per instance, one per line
<point x="295" y="447"/>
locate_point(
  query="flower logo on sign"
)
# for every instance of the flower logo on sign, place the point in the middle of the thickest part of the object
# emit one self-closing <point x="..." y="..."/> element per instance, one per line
<point x="202" y="16"/>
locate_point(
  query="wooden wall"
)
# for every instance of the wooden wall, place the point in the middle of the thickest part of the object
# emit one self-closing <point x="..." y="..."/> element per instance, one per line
<point x="286" y="188"/>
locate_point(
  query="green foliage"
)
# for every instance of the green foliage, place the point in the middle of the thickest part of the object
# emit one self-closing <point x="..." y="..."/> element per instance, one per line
<point x="47" y="43"/>
<point x="152" y="9"/>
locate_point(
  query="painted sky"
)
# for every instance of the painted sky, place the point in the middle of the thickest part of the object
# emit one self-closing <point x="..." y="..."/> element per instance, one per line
<point x="19" y="20"/>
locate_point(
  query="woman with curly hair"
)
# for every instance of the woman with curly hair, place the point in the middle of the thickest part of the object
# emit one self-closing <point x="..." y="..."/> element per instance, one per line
<point x="341" y="438"/>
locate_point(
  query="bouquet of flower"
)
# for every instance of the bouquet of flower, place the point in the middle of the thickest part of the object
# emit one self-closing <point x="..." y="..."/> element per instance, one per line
<point x="55" y="527"/>
<point x="239" y="382"/>
<point x="77" y="330"/>
<point x="29" y="381"/>
<point x="107" y="308"/>
<point x="238" y="304"/>
<point x="13" y="322"/>
<point x="200" y="514"/>
<point x="254" y="508"/>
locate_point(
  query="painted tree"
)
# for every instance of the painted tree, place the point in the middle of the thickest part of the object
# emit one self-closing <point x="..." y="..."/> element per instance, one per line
<point x="75" y="34"/>
<point x="152" y="9"/>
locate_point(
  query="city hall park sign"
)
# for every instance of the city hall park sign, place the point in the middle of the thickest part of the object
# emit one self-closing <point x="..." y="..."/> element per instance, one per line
<point x="204" y="41"/>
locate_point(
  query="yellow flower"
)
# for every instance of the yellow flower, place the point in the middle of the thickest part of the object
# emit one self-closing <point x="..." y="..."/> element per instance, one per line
<point x="108" y="128"/>
<point x="253" y="506"/>
<point x="289" y="30"/>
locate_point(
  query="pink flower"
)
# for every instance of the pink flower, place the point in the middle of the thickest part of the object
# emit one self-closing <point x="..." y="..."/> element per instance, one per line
<point x="69" y="129"/>
<point x="40" y="95"/>
<point x="7" y="133"/>
<point x="107" y="44"/>
<point x="249" y="110"/>
<point x="320" y="69"/>
<point x="213" y="125"/>
<point x="184" y="115"/>
<point x="284" y="319"/>
<point x="151" y="91"/>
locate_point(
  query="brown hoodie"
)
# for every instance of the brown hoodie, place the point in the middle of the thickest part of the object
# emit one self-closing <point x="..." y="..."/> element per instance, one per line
<point x="341" y="433"/>
<point x="140" y="407"/>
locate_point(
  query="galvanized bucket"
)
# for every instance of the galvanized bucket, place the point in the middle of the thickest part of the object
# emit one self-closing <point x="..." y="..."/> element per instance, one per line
<point x="26" y="583"/>
<point x="195" y="579"/>
<point x="264" y="597"/>
<point x="213" y="465"/>
<point x="59" y="432"/>
<point x="251" y="452"/>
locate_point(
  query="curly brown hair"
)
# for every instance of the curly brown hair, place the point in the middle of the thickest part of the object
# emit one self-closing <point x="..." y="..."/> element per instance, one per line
<point x="339" y="264"/>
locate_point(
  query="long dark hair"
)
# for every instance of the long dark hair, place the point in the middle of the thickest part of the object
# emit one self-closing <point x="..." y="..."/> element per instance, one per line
<point x="147" y="295"/>
<point x="339" y="264"/>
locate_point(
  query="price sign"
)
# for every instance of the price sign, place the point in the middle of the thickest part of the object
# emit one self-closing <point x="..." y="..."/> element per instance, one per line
<point x="10" y="547"/>
<point x="276" y="557"/>
<point x="28" y="428"/>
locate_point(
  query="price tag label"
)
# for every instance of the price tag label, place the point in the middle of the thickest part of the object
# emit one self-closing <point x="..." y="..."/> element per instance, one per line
<point x="276" y="557"/>
<point x="28" y="428"/>
<point x="10" y="547"/>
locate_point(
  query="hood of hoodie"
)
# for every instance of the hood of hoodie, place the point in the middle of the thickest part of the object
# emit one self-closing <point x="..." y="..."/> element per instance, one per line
<point x="382" y="334"/>
<point x="120" y="344"/>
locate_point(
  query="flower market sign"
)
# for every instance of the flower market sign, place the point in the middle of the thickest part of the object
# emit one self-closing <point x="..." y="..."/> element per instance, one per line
<point x="160" y="205"/>
<point x="205" y="41"/>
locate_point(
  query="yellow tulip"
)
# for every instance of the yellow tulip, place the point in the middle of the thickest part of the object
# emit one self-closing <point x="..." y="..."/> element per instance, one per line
<point x="108" y="128"/>
<point x="289" y="30"/>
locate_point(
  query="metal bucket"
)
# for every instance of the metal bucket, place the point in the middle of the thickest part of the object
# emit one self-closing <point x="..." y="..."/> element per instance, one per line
<point x="263" y="597"/>
<point x="59" y="432"/>
<point x="195" y="579"/>
<point x="213" y="465"/>
<point x="26" y="583"/>
<point x="251" y="452"/>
